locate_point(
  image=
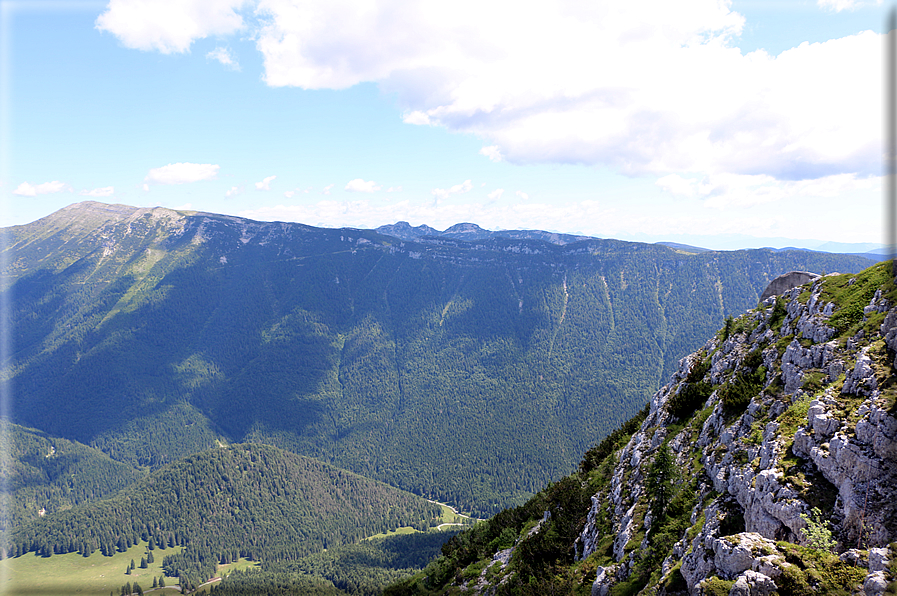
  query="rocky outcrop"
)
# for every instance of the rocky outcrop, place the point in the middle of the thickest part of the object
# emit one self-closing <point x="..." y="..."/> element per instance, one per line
<point x="785" y="282"/>
<point x="801" y="414"/>
<point x="767" y="464"/>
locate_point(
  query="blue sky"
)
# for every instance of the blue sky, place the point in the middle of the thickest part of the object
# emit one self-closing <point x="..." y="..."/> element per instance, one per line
<point x="719" y="124"/>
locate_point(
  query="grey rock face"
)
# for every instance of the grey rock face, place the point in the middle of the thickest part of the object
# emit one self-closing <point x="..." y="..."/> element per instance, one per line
<point x="785" y="282"/>
<point x="861" y="380"/>
<point x="603" y="581"/>
<point x="879" y="559"/>
<point x="847" y="436"/>
<point x="753" y="583"/>
<point x="875" y="584"/>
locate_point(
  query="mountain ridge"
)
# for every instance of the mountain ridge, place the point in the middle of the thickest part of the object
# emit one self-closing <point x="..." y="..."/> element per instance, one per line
<point x="403" y="361"/>
<point x="767" y="464"/>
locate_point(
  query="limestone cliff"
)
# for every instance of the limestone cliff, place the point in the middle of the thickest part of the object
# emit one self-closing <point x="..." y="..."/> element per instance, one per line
<point x="801" y="415"/>
<point x="768" y="464"/>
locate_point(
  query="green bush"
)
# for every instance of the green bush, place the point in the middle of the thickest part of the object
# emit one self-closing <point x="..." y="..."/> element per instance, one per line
<point x="693" y="393"/>
<point x="778" y="314"/>
<point x="817" y="532"/>
<point x="715" y="586"/>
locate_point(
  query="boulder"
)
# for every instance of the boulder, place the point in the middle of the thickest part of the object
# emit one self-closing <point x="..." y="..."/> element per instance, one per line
<point x="785" y="282"/>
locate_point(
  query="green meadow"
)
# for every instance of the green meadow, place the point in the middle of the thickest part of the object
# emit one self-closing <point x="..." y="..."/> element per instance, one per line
<point x="74" y="574"/>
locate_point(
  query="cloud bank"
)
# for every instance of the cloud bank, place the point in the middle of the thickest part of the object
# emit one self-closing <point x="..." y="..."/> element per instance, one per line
<point x="26" y="189"/>
<point x="359" y="185"/>
<point x="181" y="173"/>
<point x="106" y="191"/>
<point x="648" y="87"/>
<point x="265" y="184"/>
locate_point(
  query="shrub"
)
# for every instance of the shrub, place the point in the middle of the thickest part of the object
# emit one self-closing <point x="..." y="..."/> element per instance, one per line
<point x="817" y="532"/>
<point x="715" y="586"/>
<point x="778" y="314"/>
<point x="693" y="394"/>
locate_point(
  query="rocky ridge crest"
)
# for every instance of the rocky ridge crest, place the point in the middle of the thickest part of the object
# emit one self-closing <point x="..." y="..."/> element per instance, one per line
<point x="800" y="414"/>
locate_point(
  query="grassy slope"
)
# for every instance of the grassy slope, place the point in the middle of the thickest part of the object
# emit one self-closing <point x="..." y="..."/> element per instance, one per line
<point x="95" y="575"/>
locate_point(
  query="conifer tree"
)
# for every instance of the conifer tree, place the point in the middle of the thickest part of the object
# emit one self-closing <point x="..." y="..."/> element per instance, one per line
<point x="659" y="483"/>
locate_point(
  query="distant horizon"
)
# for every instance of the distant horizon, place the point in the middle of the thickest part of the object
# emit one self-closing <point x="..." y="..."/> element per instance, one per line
<point x="726" y="242"/>
<point x="644" y="121"/>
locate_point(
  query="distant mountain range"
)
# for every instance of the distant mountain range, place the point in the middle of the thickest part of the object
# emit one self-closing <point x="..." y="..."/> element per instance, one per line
<point x="469" y="231"/>
<point x="467" y="365"/>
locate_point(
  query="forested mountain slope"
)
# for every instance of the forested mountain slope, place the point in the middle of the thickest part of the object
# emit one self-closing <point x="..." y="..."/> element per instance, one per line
<point x="44" y="474"/>
<point x="767" y="465"/>
<point x="253" y="501"/>
<point x="473" y="372"/>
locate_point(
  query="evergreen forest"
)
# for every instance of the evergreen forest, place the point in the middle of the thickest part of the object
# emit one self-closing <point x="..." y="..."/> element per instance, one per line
<point x="469" y="372"/>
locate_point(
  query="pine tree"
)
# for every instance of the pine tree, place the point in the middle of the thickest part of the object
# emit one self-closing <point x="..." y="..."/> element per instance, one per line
<point x="132" y="564"/>
<point x="659" y="485"/>
<point x="143" y="564"/>
<point x="155" y="582"/>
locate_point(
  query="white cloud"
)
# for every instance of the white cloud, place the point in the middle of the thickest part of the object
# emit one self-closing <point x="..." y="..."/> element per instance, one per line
<point x="234" y="190"/>
<point x="181" y="173"/>
<point x="645" y="87"/>
<point x="326" y="189"/>
<point x="106" y="191"/>
<point x="394" y="189"/>
<point x="225" y="57"/>
<point x="184" y="207"/>
<point x="265" y="184"/>
<point x="839" y="5"/>
<point x="169" y="26"/>
<point x="492" y="152"/>
<point x="496" y="194"/>
<point x="608" y="217"/>
<point x="444" y="193"/>
<point x="30" y="190"/>
<point x="743" y="191"/>
<point x="289" y="194"/>
<point x="359" y="185"/>
<point x="416" y="117"/>
<point x="522" y="195"/>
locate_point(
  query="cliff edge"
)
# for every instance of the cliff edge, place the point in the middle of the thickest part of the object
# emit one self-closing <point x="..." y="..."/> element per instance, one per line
<point x="768" y="464"/>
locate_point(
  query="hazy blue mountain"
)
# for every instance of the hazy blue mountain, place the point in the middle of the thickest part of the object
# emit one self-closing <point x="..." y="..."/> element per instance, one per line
<point x="472" y="371"/>
<point x="470" y="231"/>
